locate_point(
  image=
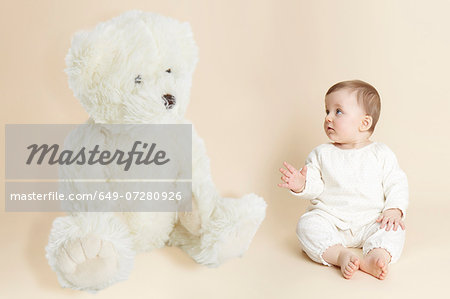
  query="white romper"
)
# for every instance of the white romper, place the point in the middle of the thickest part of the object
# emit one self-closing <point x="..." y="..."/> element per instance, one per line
<point x="348" y="190"/>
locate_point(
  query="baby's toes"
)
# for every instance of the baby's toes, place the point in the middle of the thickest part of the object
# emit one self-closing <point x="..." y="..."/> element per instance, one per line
<point x="384" y="272"/>
<point x="347" y="273"/>
<point x="383" y="275"/>
<point x="382" y="268"/>
<point x="348" y="270"/>
<point x="380" y="264"/>
<point x="354" y="263"/>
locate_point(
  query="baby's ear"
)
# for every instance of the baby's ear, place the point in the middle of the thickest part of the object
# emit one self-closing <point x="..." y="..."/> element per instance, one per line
<point x="366" y="123"/>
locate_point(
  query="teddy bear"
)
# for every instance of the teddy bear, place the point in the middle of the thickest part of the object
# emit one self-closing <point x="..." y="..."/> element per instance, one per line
<point x="137" y="68"/>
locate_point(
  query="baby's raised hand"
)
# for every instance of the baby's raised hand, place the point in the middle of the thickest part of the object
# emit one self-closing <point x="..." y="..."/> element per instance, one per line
<point x="292" y="178"/>
<point x="391" y="217"/>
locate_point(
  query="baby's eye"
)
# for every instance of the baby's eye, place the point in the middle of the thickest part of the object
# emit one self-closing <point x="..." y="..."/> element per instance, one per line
<point x="338" y="111"/>
<point x="327" y="112"/>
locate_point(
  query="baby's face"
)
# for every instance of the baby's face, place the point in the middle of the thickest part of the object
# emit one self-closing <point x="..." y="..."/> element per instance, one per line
<point x="344" y="117"/>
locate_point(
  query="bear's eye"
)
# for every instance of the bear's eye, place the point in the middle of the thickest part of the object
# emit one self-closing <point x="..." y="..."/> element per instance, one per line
<point x="168" y="71"/>
<point x="138" y="79"/>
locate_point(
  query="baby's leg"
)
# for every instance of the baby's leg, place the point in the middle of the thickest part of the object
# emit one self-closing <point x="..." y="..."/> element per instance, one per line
<point x="339" y="255"/>
<point x="321" y="241"/>
<point x="381" y="248"/>
<point x="376" y="263"/>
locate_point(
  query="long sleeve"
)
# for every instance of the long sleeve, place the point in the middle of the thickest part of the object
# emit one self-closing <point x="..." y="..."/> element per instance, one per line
<point x="314" y="184"/>
<point x="395" y="184"/>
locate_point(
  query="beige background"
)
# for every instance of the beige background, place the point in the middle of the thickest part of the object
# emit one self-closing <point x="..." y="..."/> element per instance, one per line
<point x="257" y="99"/>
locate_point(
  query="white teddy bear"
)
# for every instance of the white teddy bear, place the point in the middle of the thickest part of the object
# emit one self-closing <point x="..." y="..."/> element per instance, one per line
<point x="137" y="69"/>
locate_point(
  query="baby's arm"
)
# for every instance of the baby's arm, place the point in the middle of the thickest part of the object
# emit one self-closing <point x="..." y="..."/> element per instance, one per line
<point x="395" y="187"/>
<point x="294" y="180"/>
<point x="306" y="183"/>
<point x="391" y="218"/>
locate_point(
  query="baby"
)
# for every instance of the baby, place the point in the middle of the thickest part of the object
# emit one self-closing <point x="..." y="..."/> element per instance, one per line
<point x="357" y="190"/>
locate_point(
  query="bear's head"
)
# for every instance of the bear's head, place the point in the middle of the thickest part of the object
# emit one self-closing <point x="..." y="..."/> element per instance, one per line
<point x="135" y="68"/>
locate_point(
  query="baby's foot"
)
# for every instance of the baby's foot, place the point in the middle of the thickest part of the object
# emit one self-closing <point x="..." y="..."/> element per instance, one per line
<point x="349" y="264"/>
<point x="375" y="266"/>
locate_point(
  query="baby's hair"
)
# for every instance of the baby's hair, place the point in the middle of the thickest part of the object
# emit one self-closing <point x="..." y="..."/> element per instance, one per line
<point x="367" y="97"/>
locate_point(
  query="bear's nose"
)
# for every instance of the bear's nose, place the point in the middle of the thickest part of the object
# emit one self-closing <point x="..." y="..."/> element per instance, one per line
<point x="169" y="101"/>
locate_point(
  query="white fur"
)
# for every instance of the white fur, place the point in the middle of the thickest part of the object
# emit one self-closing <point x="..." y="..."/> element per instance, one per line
<point x="90" y="251"/>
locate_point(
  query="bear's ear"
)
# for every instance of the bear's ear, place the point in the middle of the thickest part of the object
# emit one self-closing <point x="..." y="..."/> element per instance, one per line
<point x="89" y="62"/>
<point x="86" y="60"/>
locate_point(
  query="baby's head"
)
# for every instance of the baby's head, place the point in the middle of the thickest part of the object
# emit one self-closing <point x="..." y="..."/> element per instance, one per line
<point x="352" y="111"/>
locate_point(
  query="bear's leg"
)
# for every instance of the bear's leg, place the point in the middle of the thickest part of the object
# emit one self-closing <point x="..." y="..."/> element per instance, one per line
<point x="226" y="234"/>
<point x="218" y="228"/>
<point x="90" y="251"/>
<point x="244" y="216"/>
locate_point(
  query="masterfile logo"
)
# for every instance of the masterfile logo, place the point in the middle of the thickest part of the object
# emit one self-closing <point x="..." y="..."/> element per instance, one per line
<point x="98" y="167"/>
<point x="91" y="157"/>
